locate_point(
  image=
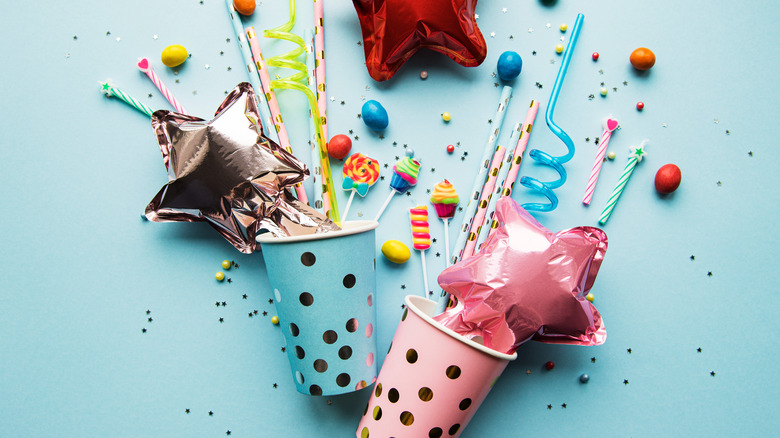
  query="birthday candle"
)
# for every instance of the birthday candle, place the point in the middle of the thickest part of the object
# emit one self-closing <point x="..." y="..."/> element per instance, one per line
<point x="145" y="66"/>
<point x="633" y="159"/>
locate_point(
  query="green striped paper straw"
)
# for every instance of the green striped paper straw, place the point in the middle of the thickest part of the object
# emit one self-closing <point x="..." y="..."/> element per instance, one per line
<point x="634" y="158"/>
<point x="110" y="90"/>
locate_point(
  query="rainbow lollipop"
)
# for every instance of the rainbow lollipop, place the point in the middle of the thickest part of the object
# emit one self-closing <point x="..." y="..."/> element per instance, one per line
<point x="421" y="237"/>
<point x="445" y="200"/>
<point x="360" y="172"/>
<point x="404" y="176"/>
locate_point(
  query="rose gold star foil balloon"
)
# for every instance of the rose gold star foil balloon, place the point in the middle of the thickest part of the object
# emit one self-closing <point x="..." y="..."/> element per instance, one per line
<point x="226" y="173"/>
<point x="527" y="283"/>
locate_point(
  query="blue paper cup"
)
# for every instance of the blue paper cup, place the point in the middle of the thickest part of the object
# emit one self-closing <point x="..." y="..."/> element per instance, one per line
<point x="324" y="287"/>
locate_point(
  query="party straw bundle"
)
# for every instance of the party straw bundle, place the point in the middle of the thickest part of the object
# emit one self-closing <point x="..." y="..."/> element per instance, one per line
<point x="484" y="199"/>
<point x="293" y="82"/>
<point x="476" y="190"/>
<point x="273" y="105"/>
<point x="508" y="174"/>
<point x="316" y="171"/>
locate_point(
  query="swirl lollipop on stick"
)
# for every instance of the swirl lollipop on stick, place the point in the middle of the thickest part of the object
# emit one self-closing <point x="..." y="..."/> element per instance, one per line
<point x="421" y="237"/>
<point x="404" y="176"/>
<point x="445" y="200"/>
<point x="360" y="172"/>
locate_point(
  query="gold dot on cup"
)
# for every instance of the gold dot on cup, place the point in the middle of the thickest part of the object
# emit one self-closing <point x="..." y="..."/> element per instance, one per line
<point x="349" y="281"/>
<point x="343" y="379"/>
<point x="306" y="299"/>
<point x="454" y="429"/>
<point x="453" y="372"/>
<point x="392" y="395"/>
<point x="308" y="259"/>
<point x="352" y="325"/>
<point x="299" y="352"/>
<point x="464" y="404"/>
<point x="315" y="390"/>
<point x="407" y="419"/>
<point x="294" y="330"/>
<point x="364" y="432"/>
<point x="330" y="337"/>
<point x="411" y="357"/>
<point x="425" y="394"/>
<point x="377" y="414"/>
<point x="345" y="352"/>
<point x="378" y="390"/>
<point x="320" y="366"/>
<point x="436" y="432"/>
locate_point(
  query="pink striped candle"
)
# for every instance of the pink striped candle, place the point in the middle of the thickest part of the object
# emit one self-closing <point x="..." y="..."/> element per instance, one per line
<point x="319" y="52"/>
<point x="145" y="66"/>
<point x="273" y="104"/>
<point x="487" y="190"/>
<point x="525" y="132"/>
<point x="610" y="125"/>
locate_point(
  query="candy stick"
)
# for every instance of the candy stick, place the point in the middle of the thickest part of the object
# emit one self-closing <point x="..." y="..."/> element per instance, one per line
<point x="254" y="78"/>
<point x="488" y="223"/>
<point x="360" y="172"/>
<point x="445" y="201"/>
<point x="421" y="237"/>
<point x="316" y="174"/>
<point x="476" y="190"/>
<point x="633" y="159"/>
<point x="109" y="90"/>
<point x="484" y="200"/>
<point x="517" y="158"/>
<point x="273" y="105"/>
<point x="610" y="125"/>
<point x="293" y="82"/>
<point x="543" y="158"/>
<point x="145" y="66"/>
<point x="319" y="52"/>
<point x="405" y="174"/>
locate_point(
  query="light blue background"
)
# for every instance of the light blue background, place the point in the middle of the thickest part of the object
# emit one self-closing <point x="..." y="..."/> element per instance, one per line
<point x="81" y="269"/>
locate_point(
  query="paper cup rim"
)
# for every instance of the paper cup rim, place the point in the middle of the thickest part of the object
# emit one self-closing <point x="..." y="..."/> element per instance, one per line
<point x="347" y="229"/>
<point x="411" y="304"/>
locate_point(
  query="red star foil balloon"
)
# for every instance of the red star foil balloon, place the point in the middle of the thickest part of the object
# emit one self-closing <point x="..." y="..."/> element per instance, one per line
<point x="226" y="173"/>
<point x="394" y="30"/>
<point x="527" y="283"/>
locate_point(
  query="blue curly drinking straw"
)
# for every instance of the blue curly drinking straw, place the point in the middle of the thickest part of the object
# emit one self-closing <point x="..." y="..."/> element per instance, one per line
<point x="546" y="188"/>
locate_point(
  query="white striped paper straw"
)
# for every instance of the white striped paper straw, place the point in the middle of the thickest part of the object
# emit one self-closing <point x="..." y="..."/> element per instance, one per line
<point x="479" y="181"/>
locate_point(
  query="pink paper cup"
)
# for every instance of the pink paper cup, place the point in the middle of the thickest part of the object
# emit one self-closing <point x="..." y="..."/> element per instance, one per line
<point x="433" y="380"/>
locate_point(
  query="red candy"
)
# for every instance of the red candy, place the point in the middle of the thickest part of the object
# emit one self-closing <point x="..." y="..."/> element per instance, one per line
<point x="667" y="179"/>
<point x="640" y="106"/>
<point x="450" y="149"/>
<point x="549" y="365"/>
<point x="339" y="146"/>
<point x="595" y="56"/>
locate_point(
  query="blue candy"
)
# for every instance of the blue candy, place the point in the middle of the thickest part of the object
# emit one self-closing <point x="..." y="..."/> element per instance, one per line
<point x="374" y="115"/>
<point x="509" y="65"/>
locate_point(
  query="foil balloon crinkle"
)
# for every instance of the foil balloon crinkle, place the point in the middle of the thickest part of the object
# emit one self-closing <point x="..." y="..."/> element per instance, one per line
<point x="527" y="283"/>
<point x="227" y="173"/>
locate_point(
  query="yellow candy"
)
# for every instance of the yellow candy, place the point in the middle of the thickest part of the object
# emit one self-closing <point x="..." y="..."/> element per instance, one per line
<point x="564" y="27"/>
<point x="275" y="320"/>
<point x="559" y="48"/>
<point x="446" y="117"/>
<point x="226" y="264"/>
<point x="396" y="251"/>
<point x="174" y="56"/>
<point x="219" y="276"/>
<point x="590" y="297"/>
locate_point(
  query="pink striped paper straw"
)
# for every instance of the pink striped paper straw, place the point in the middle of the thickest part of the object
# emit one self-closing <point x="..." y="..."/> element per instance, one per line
<point x="319" y="53"/>
<point x="145" y="66"/>
<point x="610" y="125"/>
<point x="525" y="132"/>
<point x="273" y="104"/>
<point x="487" y="190"/>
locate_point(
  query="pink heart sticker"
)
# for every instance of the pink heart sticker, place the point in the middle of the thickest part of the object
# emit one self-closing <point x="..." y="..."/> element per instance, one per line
<point x="143" y="63"/>
<point x="612" y="124"/>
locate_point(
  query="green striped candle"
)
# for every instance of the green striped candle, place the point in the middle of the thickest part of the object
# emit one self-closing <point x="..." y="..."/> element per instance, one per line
<point x="110" y="90"/>
<point x="633" y="159"/>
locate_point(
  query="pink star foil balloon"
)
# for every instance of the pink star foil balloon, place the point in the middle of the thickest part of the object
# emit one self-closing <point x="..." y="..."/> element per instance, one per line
<point x="227" y="173"/>
<point x="527" y="283"/>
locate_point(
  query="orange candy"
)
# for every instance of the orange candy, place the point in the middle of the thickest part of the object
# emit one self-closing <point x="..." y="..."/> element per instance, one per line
<point x="642" y="58"/>
<point x="244" y="7"/>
